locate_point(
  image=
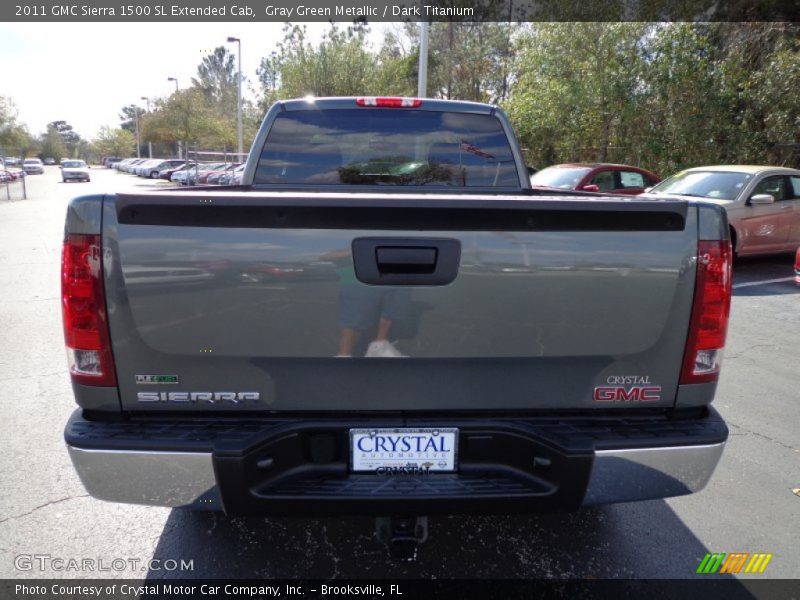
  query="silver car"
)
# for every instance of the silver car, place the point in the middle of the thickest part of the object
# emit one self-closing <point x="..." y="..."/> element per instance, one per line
<point x="74" y="170"/>
<point x="762" y="203"/>
<point x="33" y="166"/>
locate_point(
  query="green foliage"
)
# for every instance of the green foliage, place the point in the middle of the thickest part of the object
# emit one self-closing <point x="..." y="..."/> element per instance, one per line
<point x="8" y="118"/>
<point x="127" y="116"/>
<point x="664" y="96"/>
<point x="216" y="77"/>
<point x="468" y="61"/>
<point x="52" y="145"/>
<point x="340" y="65"/>
<point x="203" y="115"/>
<point x="68" y="135"/>
<point x="188" y="116"/>
<point x="114" y="142"/>
<point x="14" y="136"/>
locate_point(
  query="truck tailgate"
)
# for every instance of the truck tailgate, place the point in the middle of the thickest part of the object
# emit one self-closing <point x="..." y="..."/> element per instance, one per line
<point x="224" y="301"/>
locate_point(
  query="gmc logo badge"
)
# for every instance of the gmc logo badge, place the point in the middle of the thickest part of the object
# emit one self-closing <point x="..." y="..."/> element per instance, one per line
<point x="637" y="393"/>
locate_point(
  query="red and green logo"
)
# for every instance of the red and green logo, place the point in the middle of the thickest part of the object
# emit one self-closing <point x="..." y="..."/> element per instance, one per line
<point x="736" y="562"/>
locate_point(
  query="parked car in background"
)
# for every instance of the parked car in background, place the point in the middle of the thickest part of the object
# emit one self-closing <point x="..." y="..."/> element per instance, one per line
<point x="130" y="166"/>
<point x="49" y="160"/>
<point x="10" y="173"/>
<point x="797" y="266"/>
<point x="74" y="170"/>
<point x="152" y="168"/>
<point x="123" y="164"/>
<point x="199" y="174"/>
<point x="33" y="166"/>
<point x="214" y="176"/>
<point x="596" y="177"/>
<point x="181" y="176"/>
<point x="139" y="168"/>
<point x="167" y="173"/>
<point x="763" y="203"/>
<point x="232" y="177"/>
<point x="110" y="160"/>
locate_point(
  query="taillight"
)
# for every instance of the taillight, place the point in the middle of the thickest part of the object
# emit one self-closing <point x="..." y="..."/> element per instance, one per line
<point x="83" y="306"/>
<point x="712" y="303"/>
<point x="389" y="102"/>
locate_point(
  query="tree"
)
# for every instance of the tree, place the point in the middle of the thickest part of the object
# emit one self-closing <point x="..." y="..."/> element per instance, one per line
<point x="466" y="60"/>
<point x="8" y="117"/>
<point x="216" y="77"/>
<point x="51" y="144"/>
<point x="19" y="141"/>
<point x="187" y="117"/>
<point x="127" y="117"/>
<point x="578" y="85"/>
<point x="114" y="142"/>
<point x="340" y="65"/>
<point x="13" y="136"/>
<point x="69" y="136"/>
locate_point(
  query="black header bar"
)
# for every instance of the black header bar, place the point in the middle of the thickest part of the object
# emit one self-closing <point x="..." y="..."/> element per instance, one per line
<point x="376" y="11"/>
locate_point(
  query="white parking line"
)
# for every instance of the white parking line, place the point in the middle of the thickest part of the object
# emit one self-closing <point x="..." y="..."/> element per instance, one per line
<point x="752" y="283"/>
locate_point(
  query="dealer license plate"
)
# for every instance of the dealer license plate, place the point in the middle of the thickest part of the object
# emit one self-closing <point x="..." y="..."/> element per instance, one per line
<point x="426" y="450"/>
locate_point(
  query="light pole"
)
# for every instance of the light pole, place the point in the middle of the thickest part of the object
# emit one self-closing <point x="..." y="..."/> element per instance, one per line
<point x="138" y="137"/>
<point x="149" y="143"/>
<point x="239" y="97"/>
<point x="422" y="77"/>
<point x="175" y="79"/>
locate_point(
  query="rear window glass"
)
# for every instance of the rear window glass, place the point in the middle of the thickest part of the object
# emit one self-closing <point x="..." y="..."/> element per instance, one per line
<point x="373" y="146"/>
<point x="795" y="186"/>
<point x="560" y="177"/>
<point x="722" y="185"/>
<point x="631" y="179"/>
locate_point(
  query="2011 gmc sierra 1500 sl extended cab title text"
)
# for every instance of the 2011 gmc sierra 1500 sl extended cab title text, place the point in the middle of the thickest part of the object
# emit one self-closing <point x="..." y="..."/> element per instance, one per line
<point x="385" y="319"/>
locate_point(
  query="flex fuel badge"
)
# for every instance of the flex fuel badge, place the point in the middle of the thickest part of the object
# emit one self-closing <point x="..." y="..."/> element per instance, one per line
<point x="156" y="379"/>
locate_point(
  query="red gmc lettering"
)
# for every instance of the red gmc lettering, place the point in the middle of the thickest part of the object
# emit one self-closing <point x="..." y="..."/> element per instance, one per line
<point x="621" y="394"/>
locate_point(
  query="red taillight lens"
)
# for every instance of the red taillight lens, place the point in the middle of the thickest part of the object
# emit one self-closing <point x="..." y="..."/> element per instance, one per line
<point x="83" y="307"/>
<point x="709" y="322"/>
<point x="389" y="102"/>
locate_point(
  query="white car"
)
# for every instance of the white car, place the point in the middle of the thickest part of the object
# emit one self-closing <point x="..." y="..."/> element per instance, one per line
<point x="33" y="165"/>
<point x="74" y="170"/>
<point x="180" y="175"/>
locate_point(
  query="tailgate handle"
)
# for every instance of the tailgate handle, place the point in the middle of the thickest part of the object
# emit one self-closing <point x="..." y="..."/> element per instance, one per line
<point x="406" y="261"/>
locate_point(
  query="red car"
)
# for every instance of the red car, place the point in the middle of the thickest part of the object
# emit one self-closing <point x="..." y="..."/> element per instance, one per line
<point x="797" y="266"/>
<point x="596" y="177"/>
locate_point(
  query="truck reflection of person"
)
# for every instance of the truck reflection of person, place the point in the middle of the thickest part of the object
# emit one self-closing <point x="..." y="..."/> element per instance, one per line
<point x="362" y="307"/>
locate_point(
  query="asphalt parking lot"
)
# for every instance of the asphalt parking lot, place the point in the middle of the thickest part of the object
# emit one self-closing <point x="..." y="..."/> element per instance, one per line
<point x="749" y="506"/>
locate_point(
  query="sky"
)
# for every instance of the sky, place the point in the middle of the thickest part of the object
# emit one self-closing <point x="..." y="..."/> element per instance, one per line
<point x="84" y="73"/>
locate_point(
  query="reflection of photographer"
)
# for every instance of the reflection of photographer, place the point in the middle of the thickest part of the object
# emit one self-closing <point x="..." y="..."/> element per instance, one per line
<point x="361" y="307"/>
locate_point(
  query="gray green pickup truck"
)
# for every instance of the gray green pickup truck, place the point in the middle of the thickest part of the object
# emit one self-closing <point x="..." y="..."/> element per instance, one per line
<point x="384" y="319"/>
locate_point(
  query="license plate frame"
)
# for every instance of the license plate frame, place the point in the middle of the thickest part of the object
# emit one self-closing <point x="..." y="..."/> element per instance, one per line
<point x="444" y="459"/>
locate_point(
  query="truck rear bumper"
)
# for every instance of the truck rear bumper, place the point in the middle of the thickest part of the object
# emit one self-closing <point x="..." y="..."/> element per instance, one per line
<point x="293" y="467"/>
